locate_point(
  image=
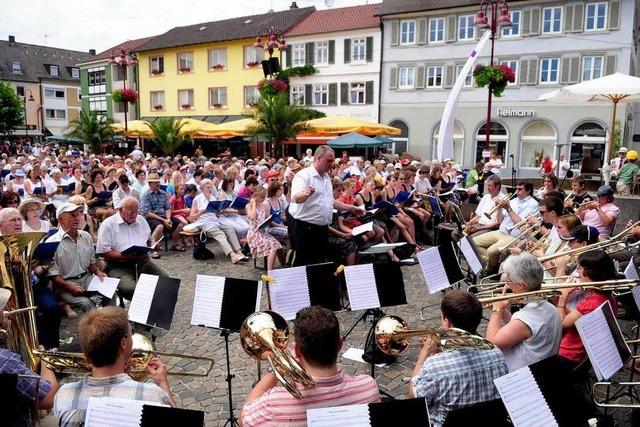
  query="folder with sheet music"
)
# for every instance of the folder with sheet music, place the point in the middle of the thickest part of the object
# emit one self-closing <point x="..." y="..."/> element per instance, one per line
<point x="67" y="188"/>
<point x="218" y="205"/>
<point x="45" y="251"/>
<point x="239" y="203"/>
<point x="137" y="250"/>
<point x="105" y="195"/>
<point x="154" y="301"/>
<point x="39" y="191"/>
<point x="117" y="412"/>
<point x="374" y="285"/>
<point x="413" y="412"/>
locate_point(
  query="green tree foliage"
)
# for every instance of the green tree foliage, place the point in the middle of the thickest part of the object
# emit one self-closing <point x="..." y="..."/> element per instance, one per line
<point x="95" y="130"/>
<point x="11" y="109"/>
<point x="167" y="135"/>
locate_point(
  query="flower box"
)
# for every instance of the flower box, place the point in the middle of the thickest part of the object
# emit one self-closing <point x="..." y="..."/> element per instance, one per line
<point x="217" y="67"/>
<point x="252" y="64"/>
<point x="216" y="105"/>
<point x="158" y="107"/>
<point x="184" y="70"/>
<point x="185" y="106"/>
<point x="156" y="72"/>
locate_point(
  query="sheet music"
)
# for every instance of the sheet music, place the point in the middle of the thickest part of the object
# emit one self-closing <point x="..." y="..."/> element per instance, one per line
<point x="356" y="354"/>
<point x="598" y="341"/>
<point x="524" y="400"/>
<point x="107" y="287"/>
<point x="361" y="286"/>
<point x="113" y="412"/>
<point x="207" y="302"/>
<point x="433" y="270"/>
<point x="631" y="272"/>
<point x="364" y="228"/>
<point x="344" y="416"/>
<point x="635" y="291"/>
<point x="290" y="291"/>
<point x="470" y="255"/>
<point x="142" y="298"/>
<point x="382" y="247"/>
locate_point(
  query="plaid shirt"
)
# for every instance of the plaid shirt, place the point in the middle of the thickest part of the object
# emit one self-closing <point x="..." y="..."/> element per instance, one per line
<point x="457" y="378"/>
<point x="157" y="203"/>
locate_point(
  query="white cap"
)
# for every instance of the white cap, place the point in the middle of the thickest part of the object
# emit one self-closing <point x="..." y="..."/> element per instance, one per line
<point x="67" y="207"/>
<point x="354" y="171"/>
<point x="398" y="166"/>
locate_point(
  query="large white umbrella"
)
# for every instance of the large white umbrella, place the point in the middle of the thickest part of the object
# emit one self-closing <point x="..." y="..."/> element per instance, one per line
<point x="614" y="88"/>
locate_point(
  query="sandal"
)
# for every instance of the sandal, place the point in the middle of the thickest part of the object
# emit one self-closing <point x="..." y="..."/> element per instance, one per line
<point x="68" y="311"/>
<point x="155" y="255"/>
<point x="178" y="248"/>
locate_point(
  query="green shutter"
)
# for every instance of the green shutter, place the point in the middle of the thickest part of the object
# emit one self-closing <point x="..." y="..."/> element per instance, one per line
<point x="368" y="92"/>
<point x="309" y="53"/>
<point x="395" y="32"/>
<point x="574" y="76"/>
<point x="451" y="24"/>
<point x="419" y="81"/>
<point x="369" y="53"/>
<point x="347" y="51"/>
<point x="393" y="78"/>
<point x="614" y="15"/>
<point x="289" y="53"/>
<point x="535" y="21"/>
<point x="578" y="17"/>
<point x="344" y="93"/>
<point x="308" y="94"/>
<point x="333" y="93"/>
<point x="332" y="51"/>
<point x="609" y="64"/>
<point x="422" y="30"/>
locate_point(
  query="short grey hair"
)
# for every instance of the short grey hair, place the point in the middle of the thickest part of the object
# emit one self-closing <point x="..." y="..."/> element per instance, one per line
<point x="322" y="150"/>
<point x="495" y="179"/>
<point x="524" y="268"/>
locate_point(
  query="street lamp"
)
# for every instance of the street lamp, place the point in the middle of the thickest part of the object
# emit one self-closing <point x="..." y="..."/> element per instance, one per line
<point x="275" y="40"/>
<point x="494" y="23"/>
<point x="24" y="103"/>
<point x="124" y="61"/>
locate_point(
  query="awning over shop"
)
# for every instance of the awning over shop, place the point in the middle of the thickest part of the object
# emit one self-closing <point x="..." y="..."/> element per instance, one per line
<point x="352" y="140"/>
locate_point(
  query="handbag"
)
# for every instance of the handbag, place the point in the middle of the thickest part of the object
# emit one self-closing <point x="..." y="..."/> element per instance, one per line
<point x="200" y="250"/>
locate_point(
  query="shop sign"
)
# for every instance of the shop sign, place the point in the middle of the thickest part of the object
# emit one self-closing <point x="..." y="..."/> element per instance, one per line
<point x="516" y="112"/>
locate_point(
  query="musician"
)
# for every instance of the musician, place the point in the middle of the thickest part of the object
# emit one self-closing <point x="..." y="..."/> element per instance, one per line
<point x="489" y="244"/>
<point x="533" y="333"/>
<point x="550" y="182"/>
<point x="480" y="223"/>
<point x="317" y="343"/>
<point x="440" y="376"/>
<point x="578" y="194"/>
<point x="624" y="256"/>
<point x="551" y="209"/>
<point x="602" y="214"/>
<point x="105" y="338"/>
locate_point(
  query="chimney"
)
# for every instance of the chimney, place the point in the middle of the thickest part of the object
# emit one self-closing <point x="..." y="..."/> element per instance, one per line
<point x="12" y="40"/>
<point x="294" y="5"/>
<point x="92" y="52"/>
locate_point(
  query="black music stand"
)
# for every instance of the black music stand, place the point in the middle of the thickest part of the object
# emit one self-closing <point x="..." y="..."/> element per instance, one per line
<point x="232" y="420"/>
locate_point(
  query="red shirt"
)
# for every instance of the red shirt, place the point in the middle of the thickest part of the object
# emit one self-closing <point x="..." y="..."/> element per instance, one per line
<point x="176" y="204"/>
<point x="547" y="166"/>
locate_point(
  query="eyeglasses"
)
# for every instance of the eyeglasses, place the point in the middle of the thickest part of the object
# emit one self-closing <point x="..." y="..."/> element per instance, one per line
<point x="129" y="211"/>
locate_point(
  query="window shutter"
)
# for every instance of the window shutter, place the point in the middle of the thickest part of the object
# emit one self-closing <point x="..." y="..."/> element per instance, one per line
<point x="332" y="51"/>
<point x="309" y="53"/>
<point x="614" y="15"/>
<point x="223" y="96"/>
<point x="369" y="47"/>
<point x="333" y="93"/>
<point x="344" y="93"/>
<point x="368" y="92"/>
<point x="535" y="21"/>
<point x="347" y="51"/>
<point x="451" y="28"/>
<point x="566" y="70"/>
<point x="524" y="72"/>
<point x="568" y="18"/>
<point x="574" y="76"/>
<point x="308" y="94"/>
<point x="289" y="53"/>
<point x="609" y="64"/>
<point x="449" y="75"/>
<point x="393" y="78"/>
<point x="422" y="31"/>
<point x="532" y="79"/>
<point x="395" y="32"/>
<point x="578" y="17"/>
<point x="419" y="83"/>
<point x="526" y="22"/>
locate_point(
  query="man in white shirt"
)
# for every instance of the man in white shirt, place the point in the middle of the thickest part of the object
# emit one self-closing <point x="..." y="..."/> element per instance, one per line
<point x="480" y="224"/>
<point x="308" y="157"/>
<point x="422" y="184"/>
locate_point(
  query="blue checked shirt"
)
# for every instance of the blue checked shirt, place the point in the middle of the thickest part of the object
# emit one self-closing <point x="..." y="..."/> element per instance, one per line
<point x="458" y="378"/>
<point x="157" y="203"/>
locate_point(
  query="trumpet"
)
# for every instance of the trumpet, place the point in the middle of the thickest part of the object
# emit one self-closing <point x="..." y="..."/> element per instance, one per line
<point x="522" y="222"/>
<point x="570" y="197"/>
<point x="393" y="336"/>
<point x="497" y="206"/>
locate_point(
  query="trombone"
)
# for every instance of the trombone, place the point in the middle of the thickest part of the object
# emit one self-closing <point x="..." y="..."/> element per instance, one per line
<point x="523" y="222"/>
<point x="498" y="205"/>
<point x="525" y="235"/>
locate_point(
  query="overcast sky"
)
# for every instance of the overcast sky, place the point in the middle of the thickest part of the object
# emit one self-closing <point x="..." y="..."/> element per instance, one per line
<point x="100" y="24"/>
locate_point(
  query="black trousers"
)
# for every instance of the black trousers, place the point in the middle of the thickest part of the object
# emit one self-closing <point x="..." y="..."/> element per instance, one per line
<point x="310" y="242"/>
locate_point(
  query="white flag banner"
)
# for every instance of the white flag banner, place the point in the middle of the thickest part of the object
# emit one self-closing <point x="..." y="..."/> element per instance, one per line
<point x="445" y="137"/>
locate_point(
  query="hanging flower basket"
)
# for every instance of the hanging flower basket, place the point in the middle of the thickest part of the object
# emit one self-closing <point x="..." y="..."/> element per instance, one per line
<point x="217" y="67"/>
<point x="124" y="95"/>
<point x="496" y="77"/>
<point x="252" y="64"/>
<point x="272" y="87"/>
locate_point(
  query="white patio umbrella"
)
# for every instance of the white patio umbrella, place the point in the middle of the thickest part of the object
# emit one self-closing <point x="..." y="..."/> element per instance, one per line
<point x="614" y="88"/>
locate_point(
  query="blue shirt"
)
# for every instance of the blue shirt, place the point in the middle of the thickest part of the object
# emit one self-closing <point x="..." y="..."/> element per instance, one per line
<point x="522" y="208"/>
<point x="157" y="203"/>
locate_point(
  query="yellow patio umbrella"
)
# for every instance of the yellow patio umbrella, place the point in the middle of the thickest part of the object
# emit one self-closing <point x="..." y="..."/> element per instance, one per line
<point x="135" y="129"/>
<point x="338" y="125"/>
<point x="233" y="128"/>
<point x="193" y="127"/>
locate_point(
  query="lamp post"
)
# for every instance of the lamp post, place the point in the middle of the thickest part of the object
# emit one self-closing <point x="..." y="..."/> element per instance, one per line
<point x="491" y="8"/>
<point x="24" y="103"/>
<point x="275" y="40"/>
<point x="124" y="61"/>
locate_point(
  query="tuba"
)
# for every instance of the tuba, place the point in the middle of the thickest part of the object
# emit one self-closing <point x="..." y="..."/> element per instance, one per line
<point x="264" y="336"/>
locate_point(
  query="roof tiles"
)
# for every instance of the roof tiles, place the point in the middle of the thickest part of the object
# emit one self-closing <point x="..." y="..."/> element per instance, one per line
<point x="340" y="19"/>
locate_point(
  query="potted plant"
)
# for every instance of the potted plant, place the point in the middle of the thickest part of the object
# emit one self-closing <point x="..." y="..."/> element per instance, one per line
<point x="156" y="72"/>
<point x="252" y="64"/>
<point x="185" y="106"/>
<point x="157" y="107"/>
<point x="124" y="95"/>
<point x="217" y="67"/>
<point x="496" y="77"/>
<point x="184" y="69"/>
<point x="216" y="105"/>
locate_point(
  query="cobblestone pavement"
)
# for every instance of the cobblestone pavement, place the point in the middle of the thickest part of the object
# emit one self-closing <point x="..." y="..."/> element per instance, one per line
<point x="209" y="394"/>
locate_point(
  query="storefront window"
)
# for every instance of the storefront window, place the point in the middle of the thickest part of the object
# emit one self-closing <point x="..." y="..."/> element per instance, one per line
<point x="497" y="141"/>
<point x="587" y="147"/>
<point x="538" y="139"/>
<point x="458" y="142"/>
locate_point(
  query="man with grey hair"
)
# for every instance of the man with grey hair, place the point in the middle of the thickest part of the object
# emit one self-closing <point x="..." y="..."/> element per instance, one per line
<point x="480" y="224"/>
<point x="10" y="221"/>
<point x="533" y="333"/>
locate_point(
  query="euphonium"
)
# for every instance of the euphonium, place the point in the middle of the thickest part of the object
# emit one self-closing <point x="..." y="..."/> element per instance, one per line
<point x="267" y="332"/>
<point x="393" y="336"/>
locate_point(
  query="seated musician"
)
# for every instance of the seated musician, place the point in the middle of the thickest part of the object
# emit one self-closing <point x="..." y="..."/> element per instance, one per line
<point x="533" y="333"/>
<point x="624" y="256"/>
<point x="602" y="214"/>
<point x="105" y="338"/>
<point x="578" y="194"/>
<point x="551" y="209"/>
<point x="480" y="224"/>
<point x="450" y="379"/>
<point x="317" y="343"/>
<point x="524" y="205"/>
<point x="578" y="237"/>
<point x="550" y="182"/>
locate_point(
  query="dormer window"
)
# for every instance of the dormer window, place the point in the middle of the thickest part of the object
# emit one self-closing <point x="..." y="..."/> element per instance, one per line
<point x="53" y="70"/>
<point x="75" y="73"/>
<point x="16" y="67"/>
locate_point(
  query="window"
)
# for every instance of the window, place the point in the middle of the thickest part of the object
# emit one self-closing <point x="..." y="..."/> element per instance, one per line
<point x="185" y="62"/>
<point x="592" y="67"/>
<point x="514" y="66"/>
<point x="217" y="59"/>
<point x="218" y="97"/>
<point x="297" y="95"/>
<point x="16" y="67"/>
<point x="551" y="19"/>
<point x="434" y="76"/>
<point x="436" y="30"/>
<point x="321" y="94"/>
<point x="75" y="73"/>
<point x="469" y="79"/>
<point x="97" y="80"/>
<point x="54" y="93"/>
<point x="185" y="99"/>
<point x="405" y="77"/>
<point x="98" y="104"/>
<point x="252" y="56"/>
<point x="54" y="70"/>
<point x="322" y="53"/>
<point x="356" y="93"/>
<point x="298" y="52"/>
<point x="358" y="50"/>
<point x="595" y="17"/>
<point x="157" y="100"/>
<point x="408" y="32"/>
<point x="466" y="27"/>
<point x="515" y="29"/>
<point x="251" y="96"/>
<point x="156" y="65"/>
<point x="538" y="139"/>
<point x="55" y="114"/>
<point x="549" y="70"/>
<point x="20" y="90"/>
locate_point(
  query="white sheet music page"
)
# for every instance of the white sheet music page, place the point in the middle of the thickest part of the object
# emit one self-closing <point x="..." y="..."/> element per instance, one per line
<point x="207" y="302"/>
<point x="290" y="291"/>
<point x="598" y="341"/>
<point x="635" y="291"/>
<point x="106" y="287"/>
<point x="361" y="286"/>
<point x="433" y="270"/>
<point x="259" y="297"/>
<point x="470" y="255"/>
<point x="524" y="400"/>
<point x="343" y="416"/>
<point x="360" y="229"/>
<point x="142" y="298"/>
<point x="113" y="412"/>
<point x="631" y="272"/>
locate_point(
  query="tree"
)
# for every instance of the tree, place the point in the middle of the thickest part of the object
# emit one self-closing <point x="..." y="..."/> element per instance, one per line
<point x="167" y="135"/>
<point x="11" y="109"/>
<point x="95" y="130"/>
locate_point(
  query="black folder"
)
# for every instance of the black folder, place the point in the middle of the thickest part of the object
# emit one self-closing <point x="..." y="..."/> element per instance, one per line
<point x="153" y="416"/>
<point x="238" y="303"/>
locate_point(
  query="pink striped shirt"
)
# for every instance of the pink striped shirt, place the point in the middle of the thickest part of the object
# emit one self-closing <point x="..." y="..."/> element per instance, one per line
<point x="278" y="408"/>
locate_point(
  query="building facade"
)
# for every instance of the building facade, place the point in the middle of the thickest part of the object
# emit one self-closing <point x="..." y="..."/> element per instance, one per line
<point x="551" y="44"/>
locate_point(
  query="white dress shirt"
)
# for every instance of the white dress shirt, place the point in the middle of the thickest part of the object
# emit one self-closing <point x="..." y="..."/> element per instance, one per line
<point x="115" y="234"/>
<point x="318" y="208"/>
<point x="522" y="208"/>
<point x="486" y="204"/>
